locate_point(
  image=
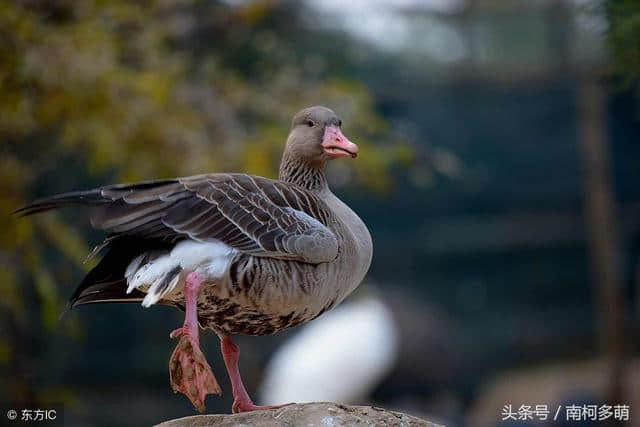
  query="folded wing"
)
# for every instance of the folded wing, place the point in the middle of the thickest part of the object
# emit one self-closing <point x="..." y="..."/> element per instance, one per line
<point x="254" y="215"/>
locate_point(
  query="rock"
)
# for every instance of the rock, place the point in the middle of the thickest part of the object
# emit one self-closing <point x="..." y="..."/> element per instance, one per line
<point x="306" y="414"/>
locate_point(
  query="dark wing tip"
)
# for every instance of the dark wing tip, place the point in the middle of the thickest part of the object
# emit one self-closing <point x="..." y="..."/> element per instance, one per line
<point x="90" y="197"/>
<point x="31" y="209"/>
<point x="96" y="196"/>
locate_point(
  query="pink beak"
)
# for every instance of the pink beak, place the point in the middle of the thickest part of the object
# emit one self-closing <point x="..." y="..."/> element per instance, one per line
<point x="336" y="145"/>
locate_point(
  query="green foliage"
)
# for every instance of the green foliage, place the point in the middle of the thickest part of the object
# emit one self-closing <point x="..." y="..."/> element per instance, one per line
<point x="624" y="38"/>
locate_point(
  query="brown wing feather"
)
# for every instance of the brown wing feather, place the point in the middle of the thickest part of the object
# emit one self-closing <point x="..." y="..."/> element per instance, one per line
<point x="255" y="215"/>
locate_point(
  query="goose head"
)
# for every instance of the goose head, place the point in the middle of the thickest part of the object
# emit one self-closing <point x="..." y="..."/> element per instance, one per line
<point x="316" y="137"/>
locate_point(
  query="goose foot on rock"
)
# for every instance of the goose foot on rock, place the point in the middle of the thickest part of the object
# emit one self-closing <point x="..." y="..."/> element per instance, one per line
<point x="241" y="400"/>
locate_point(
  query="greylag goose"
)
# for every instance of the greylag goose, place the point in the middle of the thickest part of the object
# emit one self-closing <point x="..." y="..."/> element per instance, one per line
<point x="240" y="254"/>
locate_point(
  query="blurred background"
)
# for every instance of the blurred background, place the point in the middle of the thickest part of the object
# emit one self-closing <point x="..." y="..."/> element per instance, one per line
<point x="499" y="178"/>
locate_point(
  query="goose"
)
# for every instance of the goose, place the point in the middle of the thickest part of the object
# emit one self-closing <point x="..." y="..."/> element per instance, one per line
<point x="238" y="253"/>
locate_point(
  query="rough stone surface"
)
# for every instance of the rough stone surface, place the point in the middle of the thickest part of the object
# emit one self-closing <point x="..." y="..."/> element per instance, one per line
<point x="308" y="415"/>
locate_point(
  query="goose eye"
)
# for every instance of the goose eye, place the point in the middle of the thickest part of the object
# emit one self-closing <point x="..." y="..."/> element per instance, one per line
<point x="310" y="123"/>
<point x="339" y="123"/>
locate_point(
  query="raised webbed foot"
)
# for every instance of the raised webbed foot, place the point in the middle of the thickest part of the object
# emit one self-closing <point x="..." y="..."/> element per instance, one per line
<point x="189" y="371"/>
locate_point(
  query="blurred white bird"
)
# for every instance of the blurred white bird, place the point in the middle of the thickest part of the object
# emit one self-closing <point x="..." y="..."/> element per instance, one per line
<point x="340" y="357"/>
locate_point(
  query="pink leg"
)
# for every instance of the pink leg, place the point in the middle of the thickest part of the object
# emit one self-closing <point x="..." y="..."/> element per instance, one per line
<point x="241" y="400"/>
<point x="189" y="371"/>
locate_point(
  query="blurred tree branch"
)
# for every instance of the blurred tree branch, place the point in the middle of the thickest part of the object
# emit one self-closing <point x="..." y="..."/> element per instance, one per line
<point x="603" y="236"/>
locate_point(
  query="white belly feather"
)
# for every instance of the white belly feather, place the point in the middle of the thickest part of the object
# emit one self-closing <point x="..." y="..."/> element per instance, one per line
<point x="162" y="273"/>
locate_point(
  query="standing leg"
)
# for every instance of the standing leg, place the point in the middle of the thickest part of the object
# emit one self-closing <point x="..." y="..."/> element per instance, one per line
<point x="189" y="371"/>
<point x="241" y="400"/>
